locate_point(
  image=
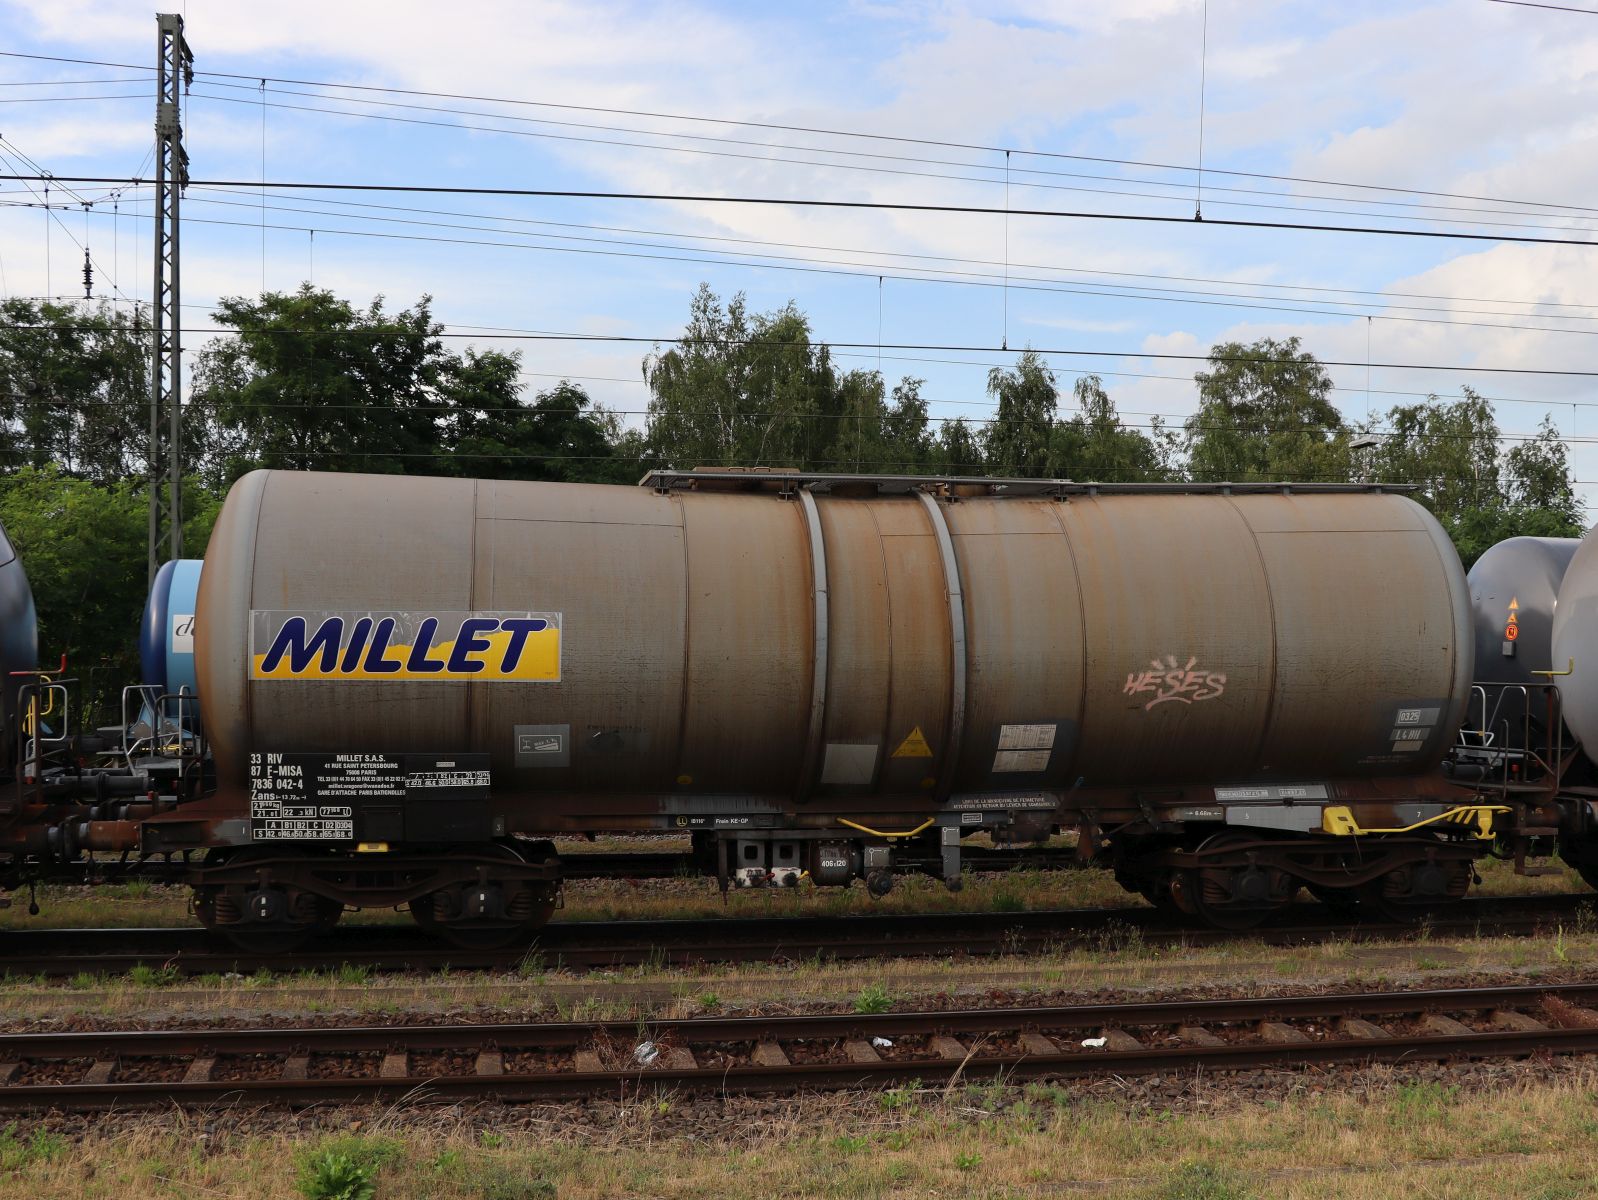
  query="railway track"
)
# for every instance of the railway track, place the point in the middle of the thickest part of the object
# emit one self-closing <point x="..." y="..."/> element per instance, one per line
<point x="775" y="1054"/>
<point x="589" y="945"/>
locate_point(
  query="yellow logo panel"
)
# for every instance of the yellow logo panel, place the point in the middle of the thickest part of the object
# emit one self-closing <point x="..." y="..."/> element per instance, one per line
<point x="481" y="647"/>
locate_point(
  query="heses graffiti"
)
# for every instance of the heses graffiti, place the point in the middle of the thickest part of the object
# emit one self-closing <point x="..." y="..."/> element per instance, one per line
<point x="1168" y="680"/>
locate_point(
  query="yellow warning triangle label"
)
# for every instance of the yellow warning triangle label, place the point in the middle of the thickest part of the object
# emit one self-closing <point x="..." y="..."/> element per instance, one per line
<point x="1513" y="604"/>
<point x="1514" y="620"/>
<point x="914" y="746"/>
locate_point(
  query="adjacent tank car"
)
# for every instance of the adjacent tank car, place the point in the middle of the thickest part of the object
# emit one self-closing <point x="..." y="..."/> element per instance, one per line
<point x="1514" y="592"/>
<point x="19" y="654"/>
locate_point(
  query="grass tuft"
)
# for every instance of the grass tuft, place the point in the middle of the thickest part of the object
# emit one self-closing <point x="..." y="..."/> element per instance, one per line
<point x="334" y="1176"/>
<point x="345" y="1168"/>
<point x="145" y="976"/>
<point x="38" y="1147"/>
<point x="1201" y="1181"/>
<point x="873" y="998"/>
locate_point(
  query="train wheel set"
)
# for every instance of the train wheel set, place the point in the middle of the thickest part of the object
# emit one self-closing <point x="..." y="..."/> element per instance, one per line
<point x="1229" y="695"/>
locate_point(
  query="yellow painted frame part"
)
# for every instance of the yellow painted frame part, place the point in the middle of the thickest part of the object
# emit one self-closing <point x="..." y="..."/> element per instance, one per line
<point x="927" y="824"/>
<point x="1339" y="821"/>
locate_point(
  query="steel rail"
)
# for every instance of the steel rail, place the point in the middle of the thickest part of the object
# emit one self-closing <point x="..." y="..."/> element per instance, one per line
<point x="1041" y="1042"/>
<point x="588" y="945"/>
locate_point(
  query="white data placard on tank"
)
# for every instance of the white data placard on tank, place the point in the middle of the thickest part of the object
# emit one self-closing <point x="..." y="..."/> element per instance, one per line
<point x="480" y="647"/>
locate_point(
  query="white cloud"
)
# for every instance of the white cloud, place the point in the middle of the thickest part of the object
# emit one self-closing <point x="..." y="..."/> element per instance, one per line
<point x="1446" y="96"/>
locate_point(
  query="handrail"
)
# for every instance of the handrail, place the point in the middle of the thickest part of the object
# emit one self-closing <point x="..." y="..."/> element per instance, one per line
<point x="927" y="824"/>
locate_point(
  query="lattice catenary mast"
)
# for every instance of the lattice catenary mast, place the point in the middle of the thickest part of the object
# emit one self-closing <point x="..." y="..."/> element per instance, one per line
<point x="174" y="60"/>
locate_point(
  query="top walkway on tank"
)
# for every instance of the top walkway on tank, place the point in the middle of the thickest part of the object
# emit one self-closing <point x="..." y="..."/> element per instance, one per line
<point x="783" y="480"/>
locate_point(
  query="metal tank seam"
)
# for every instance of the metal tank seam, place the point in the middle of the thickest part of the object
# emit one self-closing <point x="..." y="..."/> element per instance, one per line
<point x="687" y="638"/>
<point x="1464" y="618"/>
<point x="819" y="646"/>
<point x="471" y="606"/>
<point x="887" y="600"/>
<point x="958" y="665"/>
<point x="1270" y="600"/>
<point x="1082" y="624"/>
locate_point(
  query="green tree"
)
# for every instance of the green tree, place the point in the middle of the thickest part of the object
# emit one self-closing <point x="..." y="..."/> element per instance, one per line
<point x="1095" y="445"/>
<point x="489" y="431"/>
<point x="312" y="383"/>
<point x="1450" y="450"/>
<point x="957" y="450"/>
<point x="743" y="390"/>
<point x="906" y="438"/>
<point x="83" y="547"/>
<point x="74" y="389"/>
<point x="856" y="412"/>
<point x="1018" y="437"/>
<point x="1537" y="479"/>
<point x="874" y="436"/>
<point x="1265" y="413"/>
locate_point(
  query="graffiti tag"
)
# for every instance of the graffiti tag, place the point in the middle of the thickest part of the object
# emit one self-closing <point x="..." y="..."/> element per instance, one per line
<point x="1168" y="680"/>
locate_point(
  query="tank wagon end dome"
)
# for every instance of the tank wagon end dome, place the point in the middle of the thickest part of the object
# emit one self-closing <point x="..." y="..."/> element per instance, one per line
<point x="1514" y="592"/>
<point x="166" y="635"/>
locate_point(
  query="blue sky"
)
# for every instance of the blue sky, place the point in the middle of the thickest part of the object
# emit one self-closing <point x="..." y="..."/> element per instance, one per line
<point x="1469" y="98"/>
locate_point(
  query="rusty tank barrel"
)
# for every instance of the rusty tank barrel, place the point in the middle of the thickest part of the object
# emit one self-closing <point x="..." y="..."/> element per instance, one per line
<point x="815" y="637"/>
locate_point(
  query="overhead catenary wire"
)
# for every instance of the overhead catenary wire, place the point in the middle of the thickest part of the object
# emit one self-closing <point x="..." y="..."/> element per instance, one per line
<point x="641" y="339"/>
<point x="17" y="83"/>
<point x="1174" y="185"/>
<point x="815" y="202"/>
<point x="1097" y="191"/>
<point x="1175" y="422"/>
<point x="9" y="149"/>
<point x="867" y="272"/>
<point x="1589" y="12"/>
<point x="1385" y="302"/>
<point x="773" y="125"/>
<point x="68" y="99"/>
<point x="312" y="232"/>
<point x="490" y="332"/>
<point x="457" y="330"/>
<point x="841" y="152"/>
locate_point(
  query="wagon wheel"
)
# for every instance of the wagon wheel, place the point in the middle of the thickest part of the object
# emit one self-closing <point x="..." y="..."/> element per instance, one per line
<point x="530" y="905"/>
<point x="1235" y="897"/>
<point x="280" y="937"/>
<point x="1407" y="896"/>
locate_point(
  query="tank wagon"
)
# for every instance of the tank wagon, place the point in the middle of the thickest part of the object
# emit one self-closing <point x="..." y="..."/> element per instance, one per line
<point x="164" y="708"/>
<point x="1514" y="592"/>
<point x="19" y="655"/>
<point x="1225" y="692"/>
<point x="166" y="631"/>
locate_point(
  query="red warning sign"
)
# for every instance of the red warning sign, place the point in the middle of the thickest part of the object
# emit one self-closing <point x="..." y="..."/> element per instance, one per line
<point x="1511" y="632"/>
